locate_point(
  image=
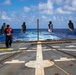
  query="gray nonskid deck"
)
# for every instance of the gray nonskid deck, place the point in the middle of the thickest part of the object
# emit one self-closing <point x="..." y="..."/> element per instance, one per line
<point x="59" y="58"/>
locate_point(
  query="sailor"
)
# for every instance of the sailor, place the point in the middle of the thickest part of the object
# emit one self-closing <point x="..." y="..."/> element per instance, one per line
<point x="71" y="25"/>
<point x="8" y="32"/>
<point x="3" y="28"/>
<point x="50" y="27"/>
<point x="23" y="27"/>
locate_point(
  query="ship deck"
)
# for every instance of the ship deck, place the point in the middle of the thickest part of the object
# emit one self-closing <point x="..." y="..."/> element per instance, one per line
<point x="39" y="58"/>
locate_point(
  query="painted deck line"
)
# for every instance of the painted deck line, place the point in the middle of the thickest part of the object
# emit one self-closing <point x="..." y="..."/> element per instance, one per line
<point x="65" y="59"/>
<point x="39" y="64"/>
<point x="23" y="48"/>
<point x="8" y="52"/>
<point x="63" y="49"/>
<point x="6" y="49"/>
<point x="39" y="58"/>
<point x="70" y="46"/>
<point x="62" y="69"/>
<point x="14" y="62"/>
<point x="56" y="46"/>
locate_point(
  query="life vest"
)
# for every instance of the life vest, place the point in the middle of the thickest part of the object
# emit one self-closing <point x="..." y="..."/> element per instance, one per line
<point x="9" y="31"/>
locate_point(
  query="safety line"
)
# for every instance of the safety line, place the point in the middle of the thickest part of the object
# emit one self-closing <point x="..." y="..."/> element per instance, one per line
<point x="61" y="69"/>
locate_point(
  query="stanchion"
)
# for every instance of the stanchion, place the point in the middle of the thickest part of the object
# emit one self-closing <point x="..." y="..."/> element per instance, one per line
<point x="37" y="29"/>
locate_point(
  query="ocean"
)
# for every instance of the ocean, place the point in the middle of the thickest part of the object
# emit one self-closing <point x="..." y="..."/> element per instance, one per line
<point x="31" y="35"/>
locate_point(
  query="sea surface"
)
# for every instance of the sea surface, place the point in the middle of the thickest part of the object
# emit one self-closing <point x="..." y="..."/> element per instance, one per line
<point x="31" y="35"/>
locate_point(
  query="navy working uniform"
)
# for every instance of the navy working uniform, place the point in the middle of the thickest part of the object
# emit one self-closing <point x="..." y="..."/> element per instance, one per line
<point x="8" y="32"/>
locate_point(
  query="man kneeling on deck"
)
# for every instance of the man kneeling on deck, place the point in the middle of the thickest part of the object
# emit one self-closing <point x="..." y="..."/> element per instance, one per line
<point x="8" y="32"/>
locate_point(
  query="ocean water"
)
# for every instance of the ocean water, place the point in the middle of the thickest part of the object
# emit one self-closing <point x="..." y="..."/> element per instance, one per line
<point x="31" y="35"/>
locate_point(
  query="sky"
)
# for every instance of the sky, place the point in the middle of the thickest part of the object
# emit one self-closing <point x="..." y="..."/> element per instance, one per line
<point x="15" y="12"/>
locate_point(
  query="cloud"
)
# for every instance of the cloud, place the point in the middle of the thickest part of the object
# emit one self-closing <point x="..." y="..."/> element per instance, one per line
<point x="46" y="8"/>
<point x="58" y="18"/>
<point x="7" y="2"/>
<point x="54" y="18"/>
<point x="62" y="6"/>
<point x="54" y="7"/>
<point x="62" y="11"/>
<point x="57" y="7"/>
<point x="17" y="17"/>
<point x="5" y="17"/>
<point x="59" y="2"/>
<point x="44" y="17"/>
<point x="71" y="6"/>
<point x="26" y="9"/>
<point x="67" y="1"/>
<point x="74" y="5"/>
